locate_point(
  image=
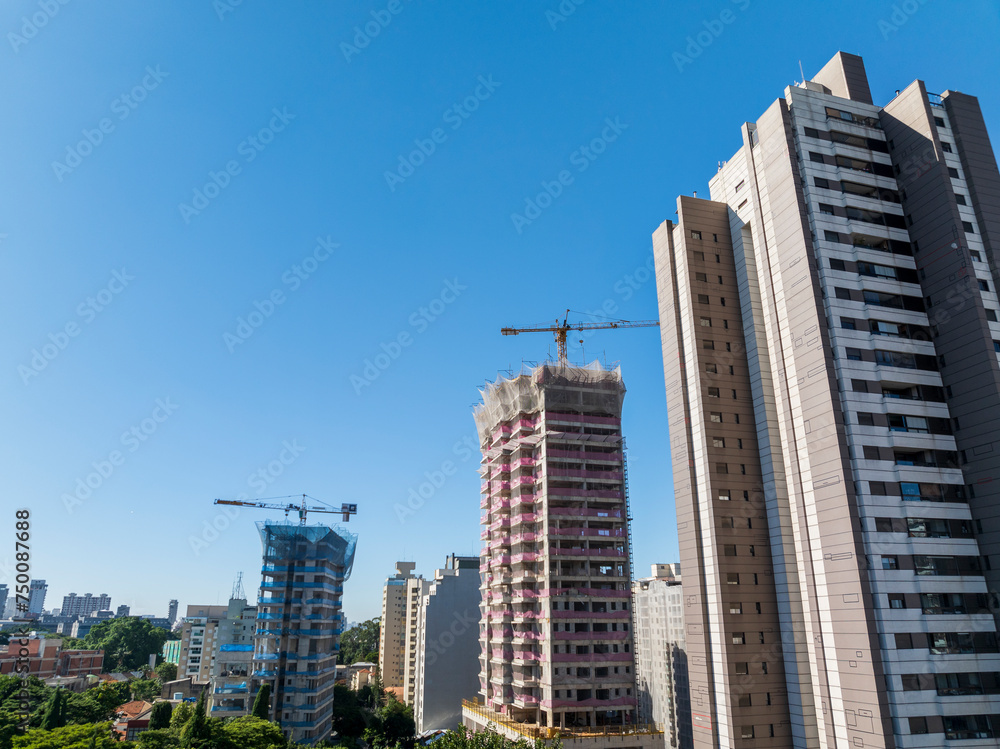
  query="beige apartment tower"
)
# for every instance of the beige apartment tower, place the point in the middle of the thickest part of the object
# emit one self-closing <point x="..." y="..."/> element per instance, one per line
<point x="392" y="631"/>
<point x="830" y="336"/>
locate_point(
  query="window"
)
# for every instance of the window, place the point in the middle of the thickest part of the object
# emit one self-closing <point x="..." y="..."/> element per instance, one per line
<point x="905" y="423"/>
<point x="847" y="323"/>
<point x="739" y="638"/>
<point x="853" y="354"/>
<point x="946" y="147"/>
<point x="725" y="495"/>
<point x="974" y="254"/>
<point x="703" y="299"/>
<point x="836" y="264"/>
<point x="711" y="369"/>
<point x="706" y="322"/>
<point x="695" y="234"/>
<point x="718" y="442"/>
<point x="811" y="132"/>
<point x="820" y="182"/>
<point x="871" y="452"/>
<point x="729" y="550"/>
<point x="996" y="346"/>
<point x="715" y="416"/>
<point x="721" y="468"/>
<point x="740" y="206"/>
<point x="713" y="392"/>
<point x="968" y="227"/>
<point x="983" y="285"/>
<point x="732" y="578"/>
<point x="700" y="277"/>
<point x="708" y="345"/>
<point x="890" y="562"/>
<point x="953" y="172"/>
<point x="939" y="121"/>
<point x="843" y="293"/>
<point x="918" y="725"/>
<point x="991" y="315"/>
<point x="742" y="667"/>
<point x="746" y="732"/>
<point x="866" y="419"/>
<point x="740" y="185"/>
<point x="859" y="386"/>
<point x="831" y="236"/>
<point x="826" y="209"/>
<point x="817" y="157"/>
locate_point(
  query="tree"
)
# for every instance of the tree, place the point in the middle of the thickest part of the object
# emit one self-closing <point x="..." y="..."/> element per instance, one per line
<point x="262" y="703"/>
<point x="197" y="730"/>
<point x="463" y="738"/>
<point x="161" y="738"/>
<point x="54" y="715"/>
<point x="127" y="642"/>
<point x="145" y="689"/>
<point x="392" y="725"/>
<point x="348" y="719"/>
<point x="83" y="736"/>
<point x="181" y="715"/>
<point x="359" y="642"/>
<point x="159" y="717"/>
<point x="250" y="732"/>
<point x="166" y="671"/>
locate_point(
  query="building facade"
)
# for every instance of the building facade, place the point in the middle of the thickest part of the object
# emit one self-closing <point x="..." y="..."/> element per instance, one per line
<point x="85" y="605"/>
<point x="231" y="663"/>
<point x="660" y="655"/>
<point x="36" y="597"/>
<point x="447" y="645"/>
<point x="830" y="346"/>
<point x="172" y="612"/>
<point x="392" y="630"/>
<point x="299" y="622"/>
<point x="47" y="659"/>
<point x="556" y="630"/>
<point x="199" y="642"/>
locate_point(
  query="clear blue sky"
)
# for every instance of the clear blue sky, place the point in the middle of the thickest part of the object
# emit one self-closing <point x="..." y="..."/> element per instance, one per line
<point x="172" y="93"/>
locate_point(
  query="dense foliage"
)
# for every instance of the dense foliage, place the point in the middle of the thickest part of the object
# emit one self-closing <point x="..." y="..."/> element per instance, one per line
<point x="127" y="642"/>
<point x="360" y="643"/>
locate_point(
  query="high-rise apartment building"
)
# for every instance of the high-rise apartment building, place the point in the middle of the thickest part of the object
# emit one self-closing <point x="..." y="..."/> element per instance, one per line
<point x="36" y="597"/>
<point x="299" y="622"/>
<point x="172" y="612"/>
<point x="416" y="589"/>
<point x="556" y="632"/>
<point x="661" y="659"/>
<point x="446" y="656"/>
<point x="392" y="630"/>
<point x="230" y="666"/>
<point x="199" y="642"/>
<point x="4" y="591"/>
<point x="830" y="339"/>
<point x="85" y="605"/>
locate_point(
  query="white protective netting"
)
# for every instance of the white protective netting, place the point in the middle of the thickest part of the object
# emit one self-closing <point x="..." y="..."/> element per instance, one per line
<point x="549" y="386"/>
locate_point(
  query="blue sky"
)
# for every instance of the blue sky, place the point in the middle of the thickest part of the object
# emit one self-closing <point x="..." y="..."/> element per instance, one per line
<point x="212" y="217"/>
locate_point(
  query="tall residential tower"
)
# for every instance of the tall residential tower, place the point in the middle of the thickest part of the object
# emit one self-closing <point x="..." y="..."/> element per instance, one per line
<point x="830" y="339"/>
<point x="556" y="632"/>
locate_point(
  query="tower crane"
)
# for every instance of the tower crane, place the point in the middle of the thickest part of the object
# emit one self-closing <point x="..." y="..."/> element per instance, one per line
<point x="560" y="330"/>
<point x="345" y="509"/>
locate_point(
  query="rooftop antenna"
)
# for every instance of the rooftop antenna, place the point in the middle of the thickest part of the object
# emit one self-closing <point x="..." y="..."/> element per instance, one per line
<point x="801" y="72"/>
<point x="238" y="591"/>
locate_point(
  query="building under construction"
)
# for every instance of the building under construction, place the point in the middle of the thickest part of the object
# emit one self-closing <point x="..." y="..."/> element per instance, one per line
<point x="299" y="622"/>
<point x="556" y="630"/>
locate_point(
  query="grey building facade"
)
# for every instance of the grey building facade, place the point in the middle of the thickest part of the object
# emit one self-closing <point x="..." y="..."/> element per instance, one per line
<point x="447" y="645"/>
<point x="830" y="339"/>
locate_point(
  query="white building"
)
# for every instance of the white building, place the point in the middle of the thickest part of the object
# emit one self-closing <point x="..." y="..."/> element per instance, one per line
<point x="661" y="661"/>
<point x="446" y="652"/>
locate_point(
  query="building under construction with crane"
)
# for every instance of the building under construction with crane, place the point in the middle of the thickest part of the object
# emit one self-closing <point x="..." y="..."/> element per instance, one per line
<point x="556" y="633"/>
<point x="299" y="617"/>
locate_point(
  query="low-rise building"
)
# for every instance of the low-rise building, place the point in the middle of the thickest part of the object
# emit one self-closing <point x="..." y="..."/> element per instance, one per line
<point x="132" y="719"/>
<point x="172" y="652"/>
<point x="47" y="659"/>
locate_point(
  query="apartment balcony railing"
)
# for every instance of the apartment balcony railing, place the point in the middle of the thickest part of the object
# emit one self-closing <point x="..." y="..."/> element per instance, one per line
<point x="581" y="418"/>
<point x="598" y="532"/>
<point x="590" y="635"/>
<point x="580" y="512"/>
<point x="560" y="491"/>
<point x="555" y="472"/>
<point x="563" y="614"/>
<point x="580" y="552"/>
<point x="586" y="657"/>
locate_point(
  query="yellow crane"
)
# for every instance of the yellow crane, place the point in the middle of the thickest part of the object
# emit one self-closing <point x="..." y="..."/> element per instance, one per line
<point x="560" y="330"/>
<point x="345" y="509"/>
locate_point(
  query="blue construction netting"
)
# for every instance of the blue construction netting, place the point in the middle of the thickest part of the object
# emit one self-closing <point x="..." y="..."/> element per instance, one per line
<point x="289" y="540"/>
